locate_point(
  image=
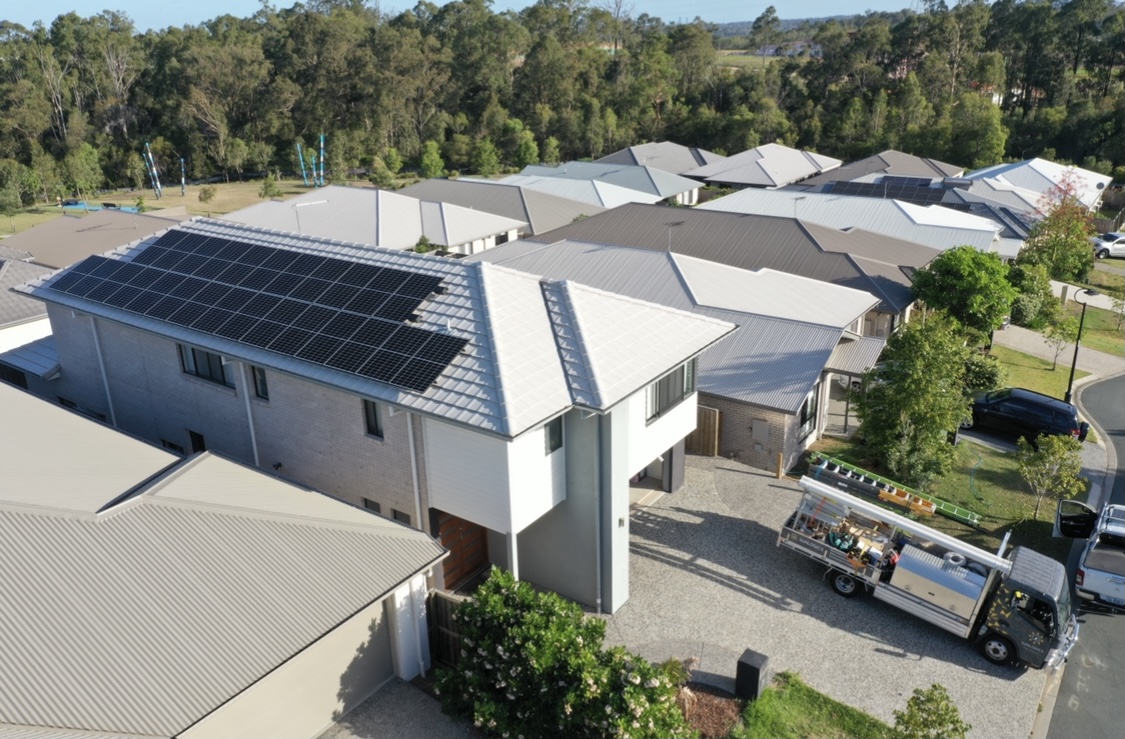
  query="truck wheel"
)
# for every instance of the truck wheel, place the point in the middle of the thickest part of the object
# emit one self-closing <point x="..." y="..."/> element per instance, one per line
<point x="844" y="584"/>
<point x="997" y="650"/>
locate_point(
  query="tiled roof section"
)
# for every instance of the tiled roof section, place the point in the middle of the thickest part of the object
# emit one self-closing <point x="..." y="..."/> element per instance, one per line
<point x="770" y="165"/>
<point x="663" y="155"/>
<point x="14" y="307"/>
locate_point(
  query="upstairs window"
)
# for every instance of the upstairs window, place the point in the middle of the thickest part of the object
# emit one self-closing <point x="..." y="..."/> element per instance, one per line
<point x="667" y="392"/>
<point x="554" y="435"/>
<point x="373" y="418"/>
<point x="261" y="386"/>
<point x="204" y="365"/>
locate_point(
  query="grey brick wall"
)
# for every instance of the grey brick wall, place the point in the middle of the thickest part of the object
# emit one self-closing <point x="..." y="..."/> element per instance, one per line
<point x="735" y="436"/>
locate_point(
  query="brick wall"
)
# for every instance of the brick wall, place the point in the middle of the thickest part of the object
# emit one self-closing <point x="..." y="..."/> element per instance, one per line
<point x="736" y="433"/>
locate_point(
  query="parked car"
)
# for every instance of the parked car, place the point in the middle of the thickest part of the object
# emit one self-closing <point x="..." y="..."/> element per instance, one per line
<point x="1101" y="568"/>
<point x="1109" y="245"/>
<point x="1025" y="413"/>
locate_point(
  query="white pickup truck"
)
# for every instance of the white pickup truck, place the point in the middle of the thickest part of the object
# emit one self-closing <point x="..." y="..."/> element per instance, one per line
<point x="1101" y="568"/>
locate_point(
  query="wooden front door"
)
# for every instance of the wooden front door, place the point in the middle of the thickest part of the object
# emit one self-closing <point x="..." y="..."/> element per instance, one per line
<point x="467" y="543"/>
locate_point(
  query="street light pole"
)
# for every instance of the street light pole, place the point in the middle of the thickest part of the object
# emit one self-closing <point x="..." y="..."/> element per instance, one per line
<point x="1077" y="341"/>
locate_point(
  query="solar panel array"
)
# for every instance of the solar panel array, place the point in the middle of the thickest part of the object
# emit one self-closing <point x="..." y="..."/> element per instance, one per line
<point x="898" y="180"/>
<point x="332" y="312"/>
<point x="909" y="194"/>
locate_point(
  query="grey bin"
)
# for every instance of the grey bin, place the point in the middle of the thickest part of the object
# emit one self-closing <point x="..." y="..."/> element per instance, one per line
<point x="751" y="678"/>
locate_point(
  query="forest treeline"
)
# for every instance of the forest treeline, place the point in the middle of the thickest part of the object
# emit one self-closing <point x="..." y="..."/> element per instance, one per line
<point x="971" y="84"/>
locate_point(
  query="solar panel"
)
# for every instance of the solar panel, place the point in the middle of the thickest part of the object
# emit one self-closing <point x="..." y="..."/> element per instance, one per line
<point x="318" y="309"/>
<point x="906" y="181"/>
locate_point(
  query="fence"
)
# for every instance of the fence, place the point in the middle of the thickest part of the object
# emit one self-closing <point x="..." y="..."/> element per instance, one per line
<point x="705" y="439"/>
<point x="445" y="636"/>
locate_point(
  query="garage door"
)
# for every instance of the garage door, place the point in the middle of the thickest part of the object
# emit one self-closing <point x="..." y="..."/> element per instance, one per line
<point x="467" y="543"/>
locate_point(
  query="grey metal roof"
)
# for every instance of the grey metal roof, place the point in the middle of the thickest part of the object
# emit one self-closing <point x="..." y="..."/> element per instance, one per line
<point x="510" y="376"/>
<point x="14" y="307"/>
<point x="38" y="358"/>
<point x="754" y="242"/>
<point x="1041" y="175"/>
<point x="145" y="617"/>
<point x="68" y="239"/>
<point x="374" y="217"/>
<point x="770" y="165"/>
<point x="595" y="192"/>
<point x="854" y="355"/>
<point x="541" y="210"/>
<point x="766" y="361"/>
<point x="665" y="155"/>
<point x="933" y="225"/>
<point x="646" y="179"/>
<point x="889" y="162"/>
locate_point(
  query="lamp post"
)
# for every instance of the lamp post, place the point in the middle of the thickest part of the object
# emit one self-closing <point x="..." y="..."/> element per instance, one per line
<point x="1077" y="341"/>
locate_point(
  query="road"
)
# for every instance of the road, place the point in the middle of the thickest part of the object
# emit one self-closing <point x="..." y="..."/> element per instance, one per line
<point x="1089" y="703"/>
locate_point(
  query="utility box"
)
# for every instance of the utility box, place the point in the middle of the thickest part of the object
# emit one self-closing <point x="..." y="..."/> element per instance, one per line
<point x="751" y="678"/>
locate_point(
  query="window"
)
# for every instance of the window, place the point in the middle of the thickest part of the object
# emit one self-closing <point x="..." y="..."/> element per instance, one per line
<point x="808" y="413"/>
<point x="67" y="403"/>
<point x="667" y="392"/>
<point x="400" y="516"/>
<point x="198" y="443"/>
<point x="554" y="435"/>
<point x="171" y="446"/>
<point x="13" y="375"/>
<point x="205" y="365"/>
<point x="373" y="418"/>
<point x="372" y="505"/>
<point x="261" y="387"/>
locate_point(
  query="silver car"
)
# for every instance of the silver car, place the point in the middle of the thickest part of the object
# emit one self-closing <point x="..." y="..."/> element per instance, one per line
<point x="1109" y="245"/>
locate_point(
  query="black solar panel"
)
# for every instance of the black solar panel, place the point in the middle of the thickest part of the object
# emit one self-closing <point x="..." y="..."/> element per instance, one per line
<point x="906" y="181"/>
<point x="909" y="194"/>
<point x="318" y="309"/>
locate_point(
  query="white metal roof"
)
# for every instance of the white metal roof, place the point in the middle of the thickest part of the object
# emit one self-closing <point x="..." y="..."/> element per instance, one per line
<point x="595" y="192"/>
<point x="145" y="617"/>
<point x="770" y="165"/>
<point x="1041" y="175"/>
<point x="509" y="377"/>
<point x="934" y="225"/>
<point x="375" y="217"/>
<point x="646" y="179"/>
<point x="664" y="155"/>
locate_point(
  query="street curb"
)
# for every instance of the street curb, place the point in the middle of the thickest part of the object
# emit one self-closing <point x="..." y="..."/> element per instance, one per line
<point x="1110" y="474"/>
<point x="1042" y="722"/>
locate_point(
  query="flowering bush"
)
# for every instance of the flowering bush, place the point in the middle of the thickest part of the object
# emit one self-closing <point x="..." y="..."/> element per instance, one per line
<point x="532" y="665"/>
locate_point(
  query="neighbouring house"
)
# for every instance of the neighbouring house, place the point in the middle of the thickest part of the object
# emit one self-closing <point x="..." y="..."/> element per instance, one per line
<point x="768" y="381"/>
<point x="22" y="319"/>
<point x="665" y="155"/>
<point x="595" y="192"/>
<point x="649" y="180"/>
<point x="1042" y="177"/>
<point x="853" y="258"/>
<point x="891" y="162"/>
<point x="148" y="595"/>
<point x="541" y="210"/>
<point x="767" y="166"/>
<point x="502" y="413"/>
<point x="364" y="215"/>
<point x="69" y="238"/>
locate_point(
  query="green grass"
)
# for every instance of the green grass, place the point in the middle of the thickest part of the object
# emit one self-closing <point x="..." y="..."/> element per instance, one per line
<point x="1104" y="281"/>
<point x="26" y="219"/>
<point x="1036" y="374"/>
<point x="790" y="709"/>
<point x="742" y="60"/>
<point x="1101" y="330"/>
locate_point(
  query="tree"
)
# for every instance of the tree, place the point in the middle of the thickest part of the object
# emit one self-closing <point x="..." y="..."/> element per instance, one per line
<point x="1061" y="333"/>
<point x="1051" y="466"/>
<point x="970" y="285"/>
<point x="485" y="159"/>
<point x="10" y="204"/>
<point x="1036" y="305"/>
<point x="531" y="662"/>
<point x="765" y="29"/>
<point x="431" y="163"/>
<point x="551" y="151"/>
<point x="270" y="187"/>
<point x="979" y="134"/>
<point x="915" y="398"/>
<point x="930" y="714"/>
<point x="1060" y="241"/>
<point x="207" y="193"/>
<point x="527" y="151"/>
<point x="82" y="170"/>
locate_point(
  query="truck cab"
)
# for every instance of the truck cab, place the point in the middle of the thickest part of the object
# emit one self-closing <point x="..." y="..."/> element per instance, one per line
<point x="1101" y="567"/>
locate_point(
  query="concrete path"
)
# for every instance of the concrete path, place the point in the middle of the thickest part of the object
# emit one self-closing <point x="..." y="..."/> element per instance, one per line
<point x="1030" y="342"/>
<point x="399" y="711"/>
<point x="1094" y="301"/>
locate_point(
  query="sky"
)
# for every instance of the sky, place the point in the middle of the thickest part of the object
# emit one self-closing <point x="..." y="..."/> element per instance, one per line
<point x="148" y="14"/>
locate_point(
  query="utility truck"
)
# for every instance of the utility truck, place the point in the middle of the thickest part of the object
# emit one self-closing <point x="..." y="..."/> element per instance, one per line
<point x="1101" y="568"/>
<point x="1016" y="608"/>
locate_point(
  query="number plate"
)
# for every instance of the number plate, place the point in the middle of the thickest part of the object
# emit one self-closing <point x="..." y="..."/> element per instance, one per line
<point x="1114" y="601"/>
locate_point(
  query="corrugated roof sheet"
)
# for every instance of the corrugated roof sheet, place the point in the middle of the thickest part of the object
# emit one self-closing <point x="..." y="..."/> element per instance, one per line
<point x="770" y="165"/>
<point x="489" y="385"/>
<point x="664" y="155"/>
<point x="645" y="179"/>
<point x="374" y="217"/>
<point x="854" y="355"/>
<point x="14" y="307"/>
<point x="1041" y="175"/>
<point x="541" y="210"/>
<point x="68" y="239"/>
<point x="602" y="194"/>
<point x="933" y="226"/>
<point x="38" y="358"/>
<point x="754" y="242"/>
<point x="889" y="162"/>
<point x="146" y="617"/>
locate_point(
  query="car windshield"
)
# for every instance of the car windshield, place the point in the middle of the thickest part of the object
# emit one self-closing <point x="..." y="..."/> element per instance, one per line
<point x="998" y="394"/>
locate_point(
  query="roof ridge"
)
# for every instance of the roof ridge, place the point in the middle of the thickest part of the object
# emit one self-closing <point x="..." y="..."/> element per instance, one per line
<point x="561" y="313"/>
<point x="478" y="269"/>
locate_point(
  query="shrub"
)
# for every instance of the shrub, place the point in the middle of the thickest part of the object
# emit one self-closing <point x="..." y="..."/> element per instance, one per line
<point x="532" y="665"/>
<point x="207" y="193"/>
<point x="983" y="372"/>
<point x="930" y="714"/>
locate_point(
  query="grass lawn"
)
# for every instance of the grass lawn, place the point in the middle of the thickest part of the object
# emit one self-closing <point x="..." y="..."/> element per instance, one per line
<point x="1101" y="330"/>
<point x="27" y="219"/>
<point x="1104" y="281"/>
<point x="742" y="60"/>
<point x="1036" y="374"/>
<point x="790" y="709"/>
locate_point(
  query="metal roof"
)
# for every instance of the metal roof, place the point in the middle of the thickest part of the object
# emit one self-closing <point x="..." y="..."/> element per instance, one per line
<point x="754" y="242"/>
<point x="770" y="165"/>
<point x="664" y="155"/>
<point x="767" y="361"/>
<point x="68" y="239"/>
<point x="1041" y="175"/>
<point x="645" y="179"/>
<point x="374" y="217"/>
<point x="933" y="225"/>
<point x="38" y="358"/>
<point x="510" y="376"/>
<point x="889" y="162"/>
<point x="145" y="617"/>
<point x="14" y="307"/>
<point x="998" y="191"/>
<point x="854" y="354"/>
<point x="595" y="192"/>
<point x="541" y="210"/>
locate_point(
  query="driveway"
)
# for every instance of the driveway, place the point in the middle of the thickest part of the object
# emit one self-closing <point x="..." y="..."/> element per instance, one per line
<point x="708" y="581"/>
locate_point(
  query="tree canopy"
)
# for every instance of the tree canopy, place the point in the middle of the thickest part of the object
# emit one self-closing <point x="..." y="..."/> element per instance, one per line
<point x="970" y="285"/>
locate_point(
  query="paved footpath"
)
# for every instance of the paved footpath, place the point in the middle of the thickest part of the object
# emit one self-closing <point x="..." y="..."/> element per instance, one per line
<point x="1030" y="342"/>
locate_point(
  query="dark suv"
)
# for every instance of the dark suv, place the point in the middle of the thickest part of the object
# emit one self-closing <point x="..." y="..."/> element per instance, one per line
<point x="1025" y="413"/>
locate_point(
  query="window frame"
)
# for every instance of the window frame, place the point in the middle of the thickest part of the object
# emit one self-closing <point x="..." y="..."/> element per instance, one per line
<point x="670" y="390"/>
<point x="553" y="431"/>
<point x="373" y="419"/>
<point x="205" y="365"/>
<point x="400" y="516"/>
<point x="808" y="415"/>
<point x="372" y="506"/>
<point x="260" y="381"/>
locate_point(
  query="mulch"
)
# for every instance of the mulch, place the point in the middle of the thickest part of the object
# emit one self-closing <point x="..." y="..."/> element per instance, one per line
<point x="711" y="711"/>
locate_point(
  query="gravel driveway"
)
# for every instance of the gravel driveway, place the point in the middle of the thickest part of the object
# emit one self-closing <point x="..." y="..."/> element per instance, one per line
<point x="708" y="581"/>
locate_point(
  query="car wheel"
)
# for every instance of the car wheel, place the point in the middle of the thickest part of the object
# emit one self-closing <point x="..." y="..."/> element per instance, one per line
<point x="997" y="650"/>
<point x="844" y="584"/>
<point x="967" y="423"/>
<point x="1102" y="253"/>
